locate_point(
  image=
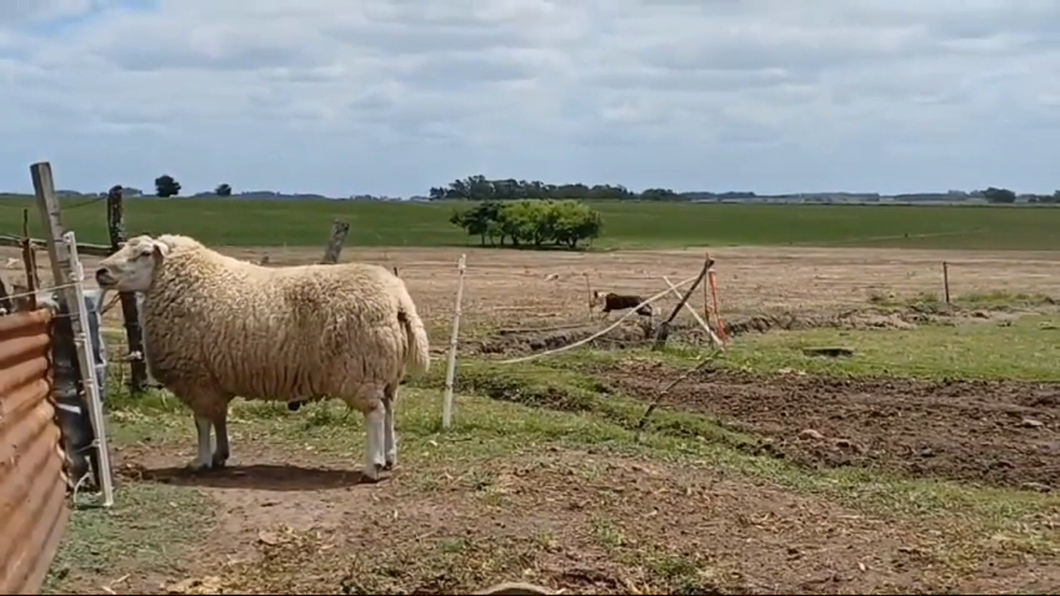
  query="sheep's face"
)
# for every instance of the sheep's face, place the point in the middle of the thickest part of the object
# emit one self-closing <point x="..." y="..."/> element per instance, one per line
<point x="596" y="299"/>
<point x="132" y="268"/>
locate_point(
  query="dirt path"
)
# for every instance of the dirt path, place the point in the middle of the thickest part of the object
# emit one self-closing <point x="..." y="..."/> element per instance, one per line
<point x="586" y="522"/>
<point x="999" y="432"/>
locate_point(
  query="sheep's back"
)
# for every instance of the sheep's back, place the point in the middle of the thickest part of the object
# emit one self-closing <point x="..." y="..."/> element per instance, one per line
<point x="277" y="334"/>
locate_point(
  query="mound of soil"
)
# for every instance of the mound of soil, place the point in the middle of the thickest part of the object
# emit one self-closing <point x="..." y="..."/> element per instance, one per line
<point x="997" y="432"/>
<point x="639" y="332"/>
<point x="855" y="319"/>
<point x="525" y="341"/>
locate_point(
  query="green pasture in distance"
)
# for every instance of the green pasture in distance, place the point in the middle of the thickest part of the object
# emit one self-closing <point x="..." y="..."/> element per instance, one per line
<point x="626" y="224"/>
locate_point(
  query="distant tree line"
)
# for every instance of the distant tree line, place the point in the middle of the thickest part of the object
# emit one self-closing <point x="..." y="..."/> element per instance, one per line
<point x="1004" y="195"/>
<point x="530" y="223"/>
<point x="479" y="188"/>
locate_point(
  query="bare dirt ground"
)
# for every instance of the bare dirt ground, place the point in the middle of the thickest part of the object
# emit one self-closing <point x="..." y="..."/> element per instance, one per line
<point x="504" y="287"/>
<point x="1004" y="433"/>
<point x="577" y="521"/>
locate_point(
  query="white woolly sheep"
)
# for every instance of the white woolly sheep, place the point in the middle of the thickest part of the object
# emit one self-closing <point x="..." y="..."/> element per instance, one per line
<point x="217" y="328"/>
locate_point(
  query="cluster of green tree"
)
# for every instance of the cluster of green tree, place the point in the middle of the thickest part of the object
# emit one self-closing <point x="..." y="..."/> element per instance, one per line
<point x="535" y="223"/>
<point x="167" y="186"/>
<point x="478" y="188"/>
<point x="1004" y="195"/>
<point x="998" y="195"/>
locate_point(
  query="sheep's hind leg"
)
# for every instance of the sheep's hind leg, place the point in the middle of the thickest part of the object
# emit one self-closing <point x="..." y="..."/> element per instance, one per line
<point x="204" y="459"/>
<point x="389" y="434"/>
<point x="222" y="450"/>
<point x="374" y="422"/>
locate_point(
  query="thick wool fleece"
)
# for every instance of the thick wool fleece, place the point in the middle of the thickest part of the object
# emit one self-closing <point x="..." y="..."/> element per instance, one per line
<point x="217" y="328"/>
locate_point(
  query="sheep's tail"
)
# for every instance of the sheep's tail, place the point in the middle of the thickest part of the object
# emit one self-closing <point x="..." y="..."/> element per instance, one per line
<point x="418" y="356"/>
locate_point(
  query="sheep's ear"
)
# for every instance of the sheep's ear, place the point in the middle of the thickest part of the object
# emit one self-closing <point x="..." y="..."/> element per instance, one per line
<point x="159" y="253"/>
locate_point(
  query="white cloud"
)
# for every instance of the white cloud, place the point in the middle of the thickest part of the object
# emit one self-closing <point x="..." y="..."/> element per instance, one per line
<point x="394" y="96"/>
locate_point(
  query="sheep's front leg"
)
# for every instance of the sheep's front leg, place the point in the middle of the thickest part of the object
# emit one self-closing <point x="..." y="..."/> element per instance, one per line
<point x="389" y="434"/>
<point x="374" y="422"/>
<point x="204" y="458"/>
<point x="221" y="452"/>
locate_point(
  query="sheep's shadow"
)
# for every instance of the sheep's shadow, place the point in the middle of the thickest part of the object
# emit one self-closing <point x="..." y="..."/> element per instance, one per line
<point x="258" y="477"/>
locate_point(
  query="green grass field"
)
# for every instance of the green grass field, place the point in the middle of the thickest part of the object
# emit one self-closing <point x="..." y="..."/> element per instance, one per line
<point x="626" y="225"/>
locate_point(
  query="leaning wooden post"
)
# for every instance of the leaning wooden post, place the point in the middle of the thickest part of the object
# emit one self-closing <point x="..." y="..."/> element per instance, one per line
<point x="663" y="331"/>
<point x="450" y="371"/>
<point x="63" y="273"/>
<point x="702" y="322"/>
<point x="339" y="230"/>
<point x="130" y="310"/>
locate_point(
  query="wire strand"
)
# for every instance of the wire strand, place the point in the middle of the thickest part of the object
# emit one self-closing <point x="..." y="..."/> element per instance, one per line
<point x="38" y="291"/>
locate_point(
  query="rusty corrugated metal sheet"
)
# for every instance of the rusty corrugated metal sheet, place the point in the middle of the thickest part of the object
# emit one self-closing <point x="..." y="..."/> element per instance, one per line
<point x="33" y="509"/>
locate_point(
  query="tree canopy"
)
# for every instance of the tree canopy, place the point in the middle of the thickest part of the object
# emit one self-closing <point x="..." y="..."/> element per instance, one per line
<point x="535" y="223"/>
<point x="166" y="186"/>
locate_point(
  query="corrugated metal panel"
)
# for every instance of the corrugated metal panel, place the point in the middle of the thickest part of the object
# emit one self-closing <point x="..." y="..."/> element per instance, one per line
<point x="33" y="509"/>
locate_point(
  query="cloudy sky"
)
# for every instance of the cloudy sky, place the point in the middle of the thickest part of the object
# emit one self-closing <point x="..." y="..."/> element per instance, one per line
<point x="395" y="96"/>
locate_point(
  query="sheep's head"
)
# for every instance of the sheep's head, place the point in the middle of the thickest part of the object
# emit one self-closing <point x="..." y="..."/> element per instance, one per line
<point x="132" y="268"/>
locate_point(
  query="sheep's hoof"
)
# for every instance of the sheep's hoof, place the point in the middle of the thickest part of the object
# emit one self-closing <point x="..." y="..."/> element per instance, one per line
<point x="197" y="466"/>
<point x="219" y="461"/>
<point x="389" y="465"/>
<point x="372" y="473"/>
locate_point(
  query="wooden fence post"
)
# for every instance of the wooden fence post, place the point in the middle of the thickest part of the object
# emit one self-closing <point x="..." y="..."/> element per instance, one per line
<point x="130" y="310"/>
<point x="946" y="280"/>
<point x="5" y="299"/>
<point x="63" y="275"/>
<point x="712" y="277"/>
<point x="339" y="230"/>
<point x="29" y="258"/>
<point x="450" y="371"/>
<point x="588" y="294"/>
